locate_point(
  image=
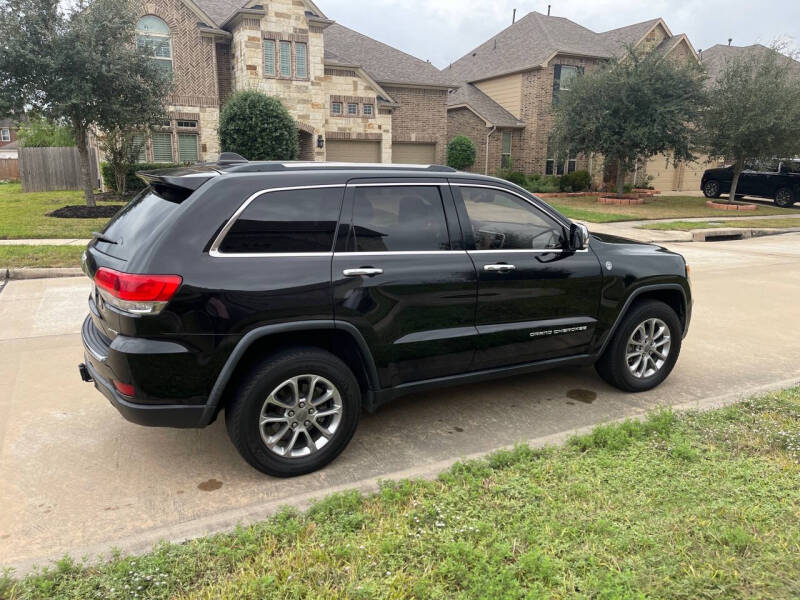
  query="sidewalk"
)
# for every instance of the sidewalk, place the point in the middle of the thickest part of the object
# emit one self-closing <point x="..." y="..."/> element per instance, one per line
<point x="45" y="242"/>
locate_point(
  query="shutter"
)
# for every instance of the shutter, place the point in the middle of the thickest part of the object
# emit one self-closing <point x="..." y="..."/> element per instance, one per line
<point x="162" y="147"/>
<point x="269" y="57"/>
<point x="556" y="81"/>
<point x="187" y="147"/>
<point x="300" y="61"/>
<point x="286" y="59"/>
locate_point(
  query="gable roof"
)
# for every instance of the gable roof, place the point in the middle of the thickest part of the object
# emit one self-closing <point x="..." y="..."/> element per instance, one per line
<point x="630" y="35"/>
<point x="7" y="124"/>
<point x="469" y="96"/>
<point x="527" y="44"/>
<point x="383" y="63"/>
<point x="714" y="58"/>
<point x="222" y="10"/>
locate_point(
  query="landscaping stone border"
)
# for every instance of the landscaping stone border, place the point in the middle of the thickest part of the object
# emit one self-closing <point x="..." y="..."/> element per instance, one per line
<point x="725" y="206"/>
<point x="624" y="200"/>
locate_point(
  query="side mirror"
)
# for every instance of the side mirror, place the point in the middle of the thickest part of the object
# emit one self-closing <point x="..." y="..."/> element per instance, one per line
<point x="578" y="237"/>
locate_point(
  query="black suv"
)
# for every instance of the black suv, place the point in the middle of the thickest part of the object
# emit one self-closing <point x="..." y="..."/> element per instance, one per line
<point x="775" y="179"/>
<point x="292" y="295"/>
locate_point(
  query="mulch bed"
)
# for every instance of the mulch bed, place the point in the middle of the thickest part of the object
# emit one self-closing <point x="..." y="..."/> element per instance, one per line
<point x="86" y="212"/>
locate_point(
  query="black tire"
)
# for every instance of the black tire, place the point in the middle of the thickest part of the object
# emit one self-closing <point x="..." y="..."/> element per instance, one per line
<point x="613" y="366"/>
<point x="242" y="413"/>
<point x="711" y="188"/>
<point x="785" y="197"/>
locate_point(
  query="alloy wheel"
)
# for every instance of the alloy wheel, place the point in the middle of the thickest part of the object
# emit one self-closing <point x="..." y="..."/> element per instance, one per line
<point x="711" y="189"/>
<point x="300" y="416"/>
<point x="648" y="348"/>
<point x="784" y="197"/>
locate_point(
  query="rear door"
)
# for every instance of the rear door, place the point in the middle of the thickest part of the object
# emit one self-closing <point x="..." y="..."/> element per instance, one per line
<point x="402" y="277"/>
<point x="536" y="299"/>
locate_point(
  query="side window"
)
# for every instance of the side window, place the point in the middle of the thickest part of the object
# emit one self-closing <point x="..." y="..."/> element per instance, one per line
<point x="288" y="221"/>
<point x="502" y="221"/>
<point x="396" y="219"/>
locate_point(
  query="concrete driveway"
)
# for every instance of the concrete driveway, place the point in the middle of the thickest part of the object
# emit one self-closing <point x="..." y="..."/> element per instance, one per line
<point x="75" y="477"/>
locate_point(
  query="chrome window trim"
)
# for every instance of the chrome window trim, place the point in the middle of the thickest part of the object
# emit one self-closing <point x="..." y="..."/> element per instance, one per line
<point x="215" y="251"/>
<point x="398" y="184"/>
<point x="557" y="217"/>
<point x="400" y="252"/>
<point x="525" y="250"/>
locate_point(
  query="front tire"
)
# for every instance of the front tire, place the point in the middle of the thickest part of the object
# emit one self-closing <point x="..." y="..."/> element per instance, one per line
<point x="711" y="189"/>
<point x="294" y="412"/>
<point x="784" y="197"/>
<point x="644" y="348"/>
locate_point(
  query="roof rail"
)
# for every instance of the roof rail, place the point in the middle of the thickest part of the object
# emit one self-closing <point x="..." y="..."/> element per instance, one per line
<point x="267" y="166"/>
<point x="230" y="158"/>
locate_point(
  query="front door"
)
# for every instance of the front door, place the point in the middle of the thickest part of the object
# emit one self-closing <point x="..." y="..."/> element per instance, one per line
<point x="401" y="275"/>
<point x="536" y="299"/>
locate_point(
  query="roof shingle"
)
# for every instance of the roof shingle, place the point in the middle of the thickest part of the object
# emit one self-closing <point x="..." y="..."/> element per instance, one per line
<point x="482" y="104"/>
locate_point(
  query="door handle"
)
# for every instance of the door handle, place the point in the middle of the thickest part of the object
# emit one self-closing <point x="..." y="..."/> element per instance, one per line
<point x="501" y="267"/>
<point x="368" y="271"/>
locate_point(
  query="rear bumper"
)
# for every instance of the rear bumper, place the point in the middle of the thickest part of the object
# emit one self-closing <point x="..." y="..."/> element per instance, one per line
<point x="103" y="363"/>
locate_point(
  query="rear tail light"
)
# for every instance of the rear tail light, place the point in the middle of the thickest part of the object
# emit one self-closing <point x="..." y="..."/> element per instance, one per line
<point x="126" y="389"/>
<point x="134" y="293"/>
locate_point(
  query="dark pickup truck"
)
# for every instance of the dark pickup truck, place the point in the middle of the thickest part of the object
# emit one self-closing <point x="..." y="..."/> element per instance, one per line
<point x="776" y="179"/>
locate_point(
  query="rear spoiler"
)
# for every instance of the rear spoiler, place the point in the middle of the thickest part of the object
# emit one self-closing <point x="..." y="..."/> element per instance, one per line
<point x="177" y="184"/>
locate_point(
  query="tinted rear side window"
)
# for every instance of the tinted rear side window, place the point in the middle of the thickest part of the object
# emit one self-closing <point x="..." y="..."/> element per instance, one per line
<point x="288" y="221"/>
<point x="398" y="219"/>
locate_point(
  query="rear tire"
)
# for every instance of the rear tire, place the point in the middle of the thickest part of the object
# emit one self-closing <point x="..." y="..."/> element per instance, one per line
<point x="711" y="188"/>
<point x="638" y="357"/>
<point x="784" y="197"/>
<point x="294" y="412"/>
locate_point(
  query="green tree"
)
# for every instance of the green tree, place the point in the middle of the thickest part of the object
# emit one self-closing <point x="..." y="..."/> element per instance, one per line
<point x="634" y="107"/>
<point x="121" y="148"/>
<point x="39" y="132"/>
<point x="461" y="152"/>
<point x="257" y="127"/>
<point x="81" y="66"/>
<point x="754" y="110"/>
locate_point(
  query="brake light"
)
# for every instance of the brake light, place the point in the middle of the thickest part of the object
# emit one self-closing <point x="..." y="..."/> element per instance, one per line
<point x="135" y="293"/>
<point x="126" y="389"/>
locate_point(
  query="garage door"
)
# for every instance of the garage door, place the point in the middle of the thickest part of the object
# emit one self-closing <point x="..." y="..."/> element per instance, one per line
<point x="414" y="154"/>
<point x="693" y="173"/>
<point x="354" y="151"/>
<point x="662" y="172"/>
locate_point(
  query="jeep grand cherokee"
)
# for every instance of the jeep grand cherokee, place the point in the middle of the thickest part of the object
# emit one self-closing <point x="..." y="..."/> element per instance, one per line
<point x="292" y="295"/>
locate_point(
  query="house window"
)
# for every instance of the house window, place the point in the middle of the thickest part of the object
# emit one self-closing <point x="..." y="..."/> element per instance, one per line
<point x="138" y="147"/>
<point x="352" y="108"/>
<point x="162" y="147"/>
<point x="505" y="150"/>
<point x="187" y="147"/>
<point x="286" y="59"/>
<point x="153" y="36"/>
<point x="188" y="124"/>
<point x="336" y="108"/>
<point x="269" y="58"/>
<point x="367" y="110"/>
<point x="557" y="164"/>
<point x="571" y="163"/>
<point x="5" y="135"/>
<point x="564" y="77"/>
<point x="301" y="60"/>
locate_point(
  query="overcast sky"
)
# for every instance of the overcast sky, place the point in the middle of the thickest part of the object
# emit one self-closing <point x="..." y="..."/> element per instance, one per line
<point x="443" y="30"/>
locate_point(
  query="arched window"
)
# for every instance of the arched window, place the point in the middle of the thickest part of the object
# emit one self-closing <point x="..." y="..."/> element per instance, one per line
<point x="153" y="34"/>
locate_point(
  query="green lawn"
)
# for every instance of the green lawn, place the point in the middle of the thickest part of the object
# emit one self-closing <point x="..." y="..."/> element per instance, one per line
<point x="23" y="215"/>
<point x="758" y="223"/>
<point x="696" y="505"/>
<point x="40" y="256"/>
<point x="657" y="207"/>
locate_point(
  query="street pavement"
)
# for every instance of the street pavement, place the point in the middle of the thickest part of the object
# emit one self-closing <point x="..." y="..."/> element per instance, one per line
<point x="75" y="477"/>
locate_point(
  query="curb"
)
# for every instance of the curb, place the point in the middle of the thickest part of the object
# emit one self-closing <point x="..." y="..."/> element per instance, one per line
<point x="725" y="234"/>
<point x="40" y="273"/>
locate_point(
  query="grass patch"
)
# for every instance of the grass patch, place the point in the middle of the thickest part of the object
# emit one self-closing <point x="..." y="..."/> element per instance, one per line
<point x="693" y="505"/>
<point x="24" y="215"/>
<point x="741" y="222"/>
<point x="657" y="207"/>
<point x="40" y="256"/>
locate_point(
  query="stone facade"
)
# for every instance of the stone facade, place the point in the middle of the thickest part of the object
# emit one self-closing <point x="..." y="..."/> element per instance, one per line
<point x="462" y="121"/>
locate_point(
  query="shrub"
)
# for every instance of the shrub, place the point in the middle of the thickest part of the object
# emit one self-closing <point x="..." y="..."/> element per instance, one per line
<point x="133" y="183"/>
<point x="257" y="127"/>
<point x="461" y="152"/>
<point x="577" y="181"/>
<point x="546" y="184"/>
<point x="517" y="177"/>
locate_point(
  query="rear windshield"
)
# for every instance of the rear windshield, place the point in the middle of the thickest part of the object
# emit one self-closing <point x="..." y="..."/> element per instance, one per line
<point x="138" y="222"/>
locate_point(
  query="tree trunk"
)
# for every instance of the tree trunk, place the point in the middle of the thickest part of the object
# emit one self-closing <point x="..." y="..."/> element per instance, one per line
<point x="121" y="180"/>
<point x="620" y="179"/>
<point x="738" y="166"/>
<point x="83" y="153"/>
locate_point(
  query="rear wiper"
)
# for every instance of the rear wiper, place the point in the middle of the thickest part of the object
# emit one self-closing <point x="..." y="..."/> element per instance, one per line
<point x="96" y="235"/>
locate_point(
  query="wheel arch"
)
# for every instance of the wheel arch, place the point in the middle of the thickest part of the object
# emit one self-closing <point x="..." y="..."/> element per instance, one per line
<point x="339" y="338"/>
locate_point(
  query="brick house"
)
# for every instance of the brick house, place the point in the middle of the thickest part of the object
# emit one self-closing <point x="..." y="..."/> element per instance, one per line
<point x="8" y="139"/>
<point x="352" y="97"/>
<point x="509" y="84"/>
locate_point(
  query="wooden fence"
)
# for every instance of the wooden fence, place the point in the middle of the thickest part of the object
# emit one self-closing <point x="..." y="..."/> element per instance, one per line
<point x="46" y="169"/>
<point x="9" y="168"/>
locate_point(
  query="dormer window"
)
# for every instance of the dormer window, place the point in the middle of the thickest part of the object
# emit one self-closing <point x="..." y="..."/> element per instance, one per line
<point x="153" y="35"/>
